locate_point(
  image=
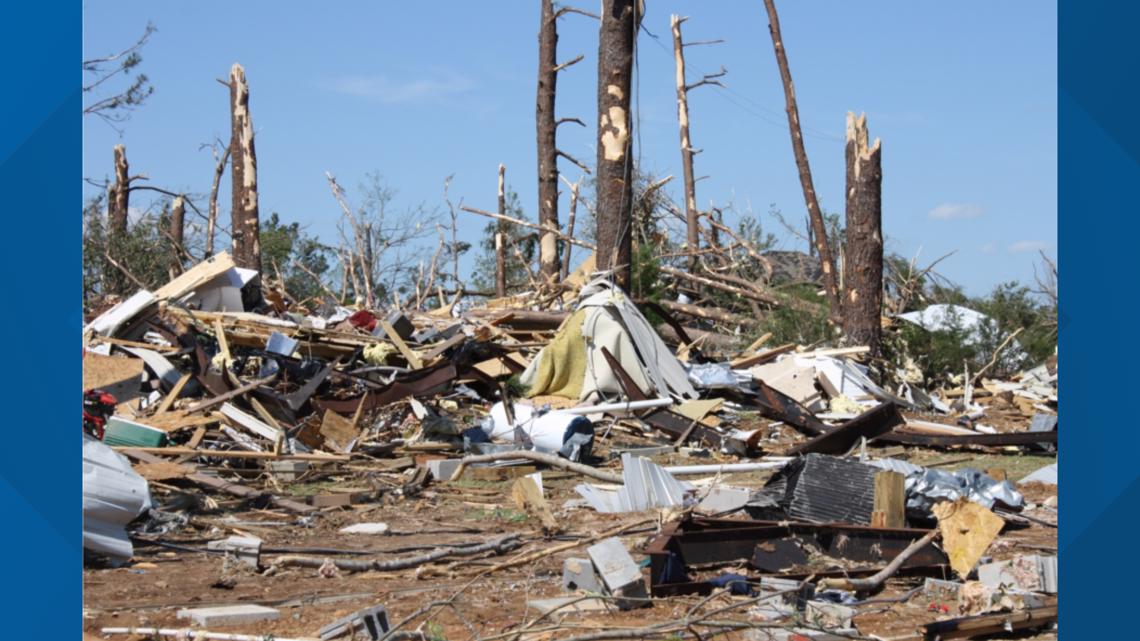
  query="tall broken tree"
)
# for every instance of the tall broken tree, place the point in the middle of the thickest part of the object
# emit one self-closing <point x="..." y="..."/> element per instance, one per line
<point x="692" y="216"/>
<point x="501" y="232"/>
<point x="546" y="126"/>
<point x="620" y="21"/>
<point x="863" y="264"/>
<point x="245" y="229"/>
<point x="827" y="264"/>
<point x="118" y="204"/>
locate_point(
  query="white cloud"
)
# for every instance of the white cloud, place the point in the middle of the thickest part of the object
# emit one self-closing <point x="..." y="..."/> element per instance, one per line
<point x="1023" y="246"/>
<point x="950" y="211"/>
<point x="427" y="86"/>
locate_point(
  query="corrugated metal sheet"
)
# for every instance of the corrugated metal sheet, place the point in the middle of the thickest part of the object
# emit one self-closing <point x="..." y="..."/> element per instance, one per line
<point x="820" y="489"/>
<point x="113" y="495"/>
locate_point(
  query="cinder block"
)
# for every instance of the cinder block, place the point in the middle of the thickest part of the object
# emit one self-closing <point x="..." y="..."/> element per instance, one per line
<point x="372" y="621"/>
<point x="229" y="615"/>
<point x="246" y="549"/>
<point x="620" y="573"/>
<point x="579" y="574"/>
<point x="443" y="469"/>
<point x="288" y="470"/>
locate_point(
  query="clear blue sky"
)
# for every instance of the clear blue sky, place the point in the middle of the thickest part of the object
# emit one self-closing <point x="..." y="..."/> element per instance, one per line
<point x="962" y="94"/>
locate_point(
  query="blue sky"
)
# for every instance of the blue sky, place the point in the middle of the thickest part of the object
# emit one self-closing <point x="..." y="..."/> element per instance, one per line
<point x="962" y="94"/>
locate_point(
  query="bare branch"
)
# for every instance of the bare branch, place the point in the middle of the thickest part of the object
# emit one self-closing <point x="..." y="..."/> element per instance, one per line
<point x="565" y="10"/>
<point x="572" y="159"/>
<point x="568" y="63"/>
<point x="574" y="120"/>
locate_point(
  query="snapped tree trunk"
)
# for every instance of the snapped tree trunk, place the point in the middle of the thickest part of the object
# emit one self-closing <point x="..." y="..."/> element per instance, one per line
<point x="546" y="128"/>
<point x="616" y="36"/>
<point x="243" y="169"/>
<point x="177" y="227"/>
<point x="118" y="202"/>
<point x="692" y="224"/>
<point x="212" y="220"/>
<point x="863" y="261"/>
<point x="827" y="264"/>
<point x="500" y="238"/>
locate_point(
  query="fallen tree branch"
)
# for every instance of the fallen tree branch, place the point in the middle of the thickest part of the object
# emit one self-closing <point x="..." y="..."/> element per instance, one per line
<point x="498" y="546"/>
<point x="873" y="582"/>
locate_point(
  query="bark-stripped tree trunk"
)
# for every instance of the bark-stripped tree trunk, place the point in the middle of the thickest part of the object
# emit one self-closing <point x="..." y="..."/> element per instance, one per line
<point x="118" y="203"/>
<point x="570" y="228"/>
<point x="863" y="264"/>
<point x="212" y="220"/>
<point x="546" y="127"/>
<point x="692" y="222"/>
<point x="616" y="36"/>
<point x="827" y="264"/>
<point x="500" y="238"/>
<point x="177" y="227"/>
<point x="243" y="169"/>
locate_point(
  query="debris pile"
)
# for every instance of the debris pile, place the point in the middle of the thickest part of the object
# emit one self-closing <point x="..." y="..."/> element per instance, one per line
<point x="349" y="472"/>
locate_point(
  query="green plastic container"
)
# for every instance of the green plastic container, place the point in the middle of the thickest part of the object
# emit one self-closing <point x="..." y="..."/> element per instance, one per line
<point x="122" y="432"/>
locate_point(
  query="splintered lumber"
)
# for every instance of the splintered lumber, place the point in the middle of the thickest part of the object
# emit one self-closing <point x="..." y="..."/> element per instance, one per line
<point x="216" y="483"/>
<point x="890" y="500"/>
<point x="173" y="395"/>
<point x="222" y="398"/>
<point x="195" y="277"/>
<point x="413" y="360"/>
<point x="874" y="422"/>
<point x="181" y="451"/>
<point x="552" y="460"/>
<point x="528" y="496"/>
<point x="765" y="356"/>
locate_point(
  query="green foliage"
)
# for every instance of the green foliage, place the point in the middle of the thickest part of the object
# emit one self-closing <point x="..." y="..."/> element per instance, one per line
<point x="801" y="326"/>
<point x="434" y="631"/>
<point x="283" y="245"/>
<point x="525" y="239"/>
<point x="645" y="270"/>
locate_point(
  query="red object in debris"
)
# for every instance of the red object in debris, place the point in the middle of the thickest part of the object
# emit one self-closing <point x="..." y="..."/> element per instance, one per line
<point x="98" y="406"/>
<point x="363" y="320"/>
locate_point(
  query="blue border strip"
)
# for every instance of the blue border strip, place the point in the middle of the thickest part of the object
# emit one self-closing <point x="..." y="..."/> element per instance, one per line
<point x="1099" y="170"/>
<point x="40" y="324"/>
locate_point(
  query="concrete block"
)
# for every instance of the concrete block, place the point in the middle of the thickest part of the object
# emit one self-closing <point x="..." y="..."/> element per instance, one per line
<point x="443" y="469"/>
<point x="246" y="549"/>
<point x="579" y="574"/>
<point x="288" y="471"/>
<point x="366" y="528"/>
<point x="373" y="622"/>
<point x="620" y="573"/>
<point x="229" y="615"/>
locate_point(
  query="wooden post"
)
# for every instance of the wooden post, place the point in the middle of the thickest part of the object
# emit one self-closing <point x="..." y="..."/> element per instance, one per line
<point x="620" y="21"/>
<point x="890" y="500"/>
<point x="863" y="260"/>
<point x="570" y="229"/>
<point x="827" y="264"/>
<point x="692" y="224"/>
<point x="500" y="239"/>
<point x="546" y="127"/>
<point x="243" y="169"/>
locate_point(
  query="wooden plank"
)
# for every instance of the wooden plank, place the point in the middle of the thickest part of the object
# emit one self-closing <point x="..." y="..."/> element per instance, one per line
<point x="182" y="451"/>
<point x="413" y="360"/>
<point x="222" y="398"/>
<point x="168" y="401"/>
<point x="762" y="357"/>
<point x="442" y="347"/>
<point x="195" y="277"/>
<point x="174" y="421"/>
<point x="758" y="342"/>
<point x="338" y="430"/>
<point x="890" y="499"/>
<point x="528" y="497"/>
